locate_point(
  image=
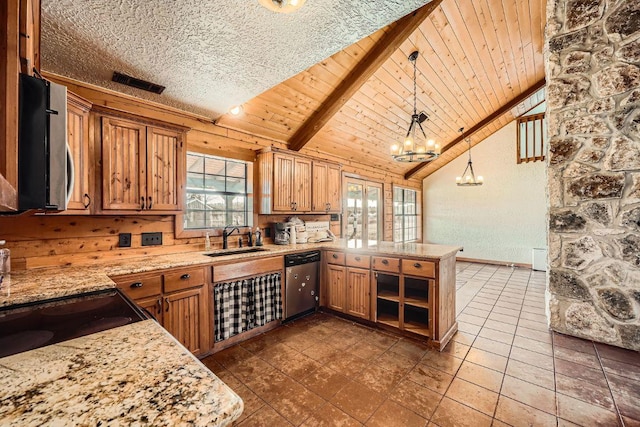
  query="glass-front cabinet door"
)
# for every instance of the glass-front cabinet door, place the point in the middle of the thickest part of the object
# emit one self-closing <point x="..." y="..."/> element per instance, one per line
<point x="362" y="221"/>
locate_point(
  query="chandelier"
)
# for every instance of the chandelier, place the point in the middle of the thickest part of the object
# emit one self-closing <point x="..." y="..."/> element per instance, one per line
<point x="282" y="6"/>
<point x="468" y="178"/>
<point x="415" y="147"/>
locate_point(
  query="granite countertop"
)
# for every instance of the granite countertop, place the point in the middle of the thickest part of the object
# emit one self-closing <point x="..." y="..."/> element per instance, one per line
<point x="41" y="284"/>
<point x="135" y="374"/>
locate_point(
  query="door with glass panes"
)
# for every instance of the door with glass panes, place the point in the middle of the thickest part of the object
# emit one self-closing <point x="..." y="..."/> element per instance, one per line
<point x="362" y="218"/>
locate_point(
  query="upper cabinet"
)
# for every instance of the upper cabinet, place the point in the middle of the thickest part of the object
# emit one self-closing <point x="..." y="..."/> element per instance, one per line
<point x="326" y="188"/>
<point x="81" y="198"/>
<point x="290" y="183"/>
<point x="142" y="166"/>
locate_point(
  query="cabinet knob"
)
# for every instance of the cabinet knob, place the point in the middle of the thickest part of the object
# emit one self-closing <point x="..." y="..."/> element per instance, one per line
<point x="135" y="285"/>
<point x="417" y="265"/>
<point x="186" y="276"/>
<point x="385" y="262"/>
<point x="335" y="256"/>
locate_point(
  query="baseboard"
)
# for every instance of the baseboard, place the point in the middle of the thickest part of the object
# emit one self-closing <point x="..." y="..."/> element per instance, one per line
<point x="492" y="262"/>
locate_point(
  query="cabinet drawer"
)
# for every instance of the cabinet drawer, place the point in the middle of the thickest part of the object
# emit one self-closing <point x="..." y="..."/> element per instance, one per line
<point x="355" y="260"/>
<point x="391" y="265"/>
<point x="183" y="279"/>
<point x="415" y="267"/>
<point x="141" y="286"/>
<point x="334" y="257"/>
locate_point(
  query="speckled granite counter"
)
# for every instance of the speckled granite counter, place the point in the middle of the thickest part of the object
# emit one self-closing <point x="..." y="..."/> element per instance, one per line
<point x="132" y="375"/>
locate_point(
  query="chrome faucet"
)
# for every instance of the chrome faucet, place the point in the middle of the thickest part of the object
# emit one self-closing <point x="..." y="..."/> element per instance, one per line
<point x="225" y="235"/>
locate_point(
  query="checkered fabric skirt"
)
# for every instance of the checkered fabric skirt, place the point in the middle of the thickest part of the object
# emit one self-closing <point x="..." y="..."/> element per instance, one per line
<point x="246" y="304"/>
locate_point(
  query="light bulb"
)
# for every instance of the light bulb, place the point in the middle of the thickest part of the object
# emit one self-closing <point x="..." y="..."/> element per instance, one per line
<point x="458" y="179"/>
<point x="408" y="141"/>
<point x="480" y="178"/>
<point x="420" y="149"/>
<point x="467" y="178"/>
<point x="235" y="110"/>
<point x="431" y="143"/>
<point x="293" y="3"/>
<point x="394" y="148"/>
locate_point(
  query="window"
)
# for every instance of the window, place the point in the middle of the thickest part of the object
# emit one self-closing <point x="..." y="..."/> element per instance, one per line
<point x="218" y="192"/>
<point x="532" y="138"/>
<point x="405" y="215"/>
<point x="363" y="212"/>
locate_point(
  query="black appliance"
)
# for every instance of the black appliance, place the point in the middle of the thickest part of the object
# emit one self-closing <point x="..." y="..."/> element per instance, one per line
<point x="34" y="325"/>
<point x="301" y="283"/>
<point x="45" y="166"/>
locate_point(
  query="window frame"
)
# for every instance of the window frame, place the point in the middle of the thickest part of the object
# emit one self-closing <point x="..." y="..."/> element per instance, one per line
<point x="182" y="232"/>
<point x="405" y="215"/>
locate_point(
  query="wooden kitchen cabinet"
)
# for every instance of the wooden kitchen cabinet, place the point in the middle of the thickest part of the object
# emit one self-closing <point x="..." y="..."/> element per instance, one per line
<point x="326" y="187"/>
<point x="348" y="287"/>
<point x="336" y="287"/>
<point x="78" y="139"/>
<point x="142" y="166"/>
<point x="177" y="299"/>
<point x="358" y="292"/>
<point x="291" y="183"/>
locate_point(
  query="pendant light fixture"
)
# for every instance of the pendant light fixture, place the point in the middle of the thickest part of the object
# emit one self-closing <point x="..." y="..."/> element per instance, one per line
<point x="468" y="178"/>
<point x="282" y="6"/>
<point x="415" y="147"/>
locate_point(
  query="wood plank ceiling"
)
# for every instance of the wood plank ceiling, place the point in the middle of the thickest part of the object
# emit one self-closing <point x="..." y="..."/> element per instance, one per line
<point x="476" y="58"/>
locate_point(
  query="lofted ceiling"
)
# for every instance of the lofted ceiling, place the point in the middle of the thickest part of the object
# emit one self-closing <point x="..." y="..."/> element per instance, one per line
<point x="480" y="66"/>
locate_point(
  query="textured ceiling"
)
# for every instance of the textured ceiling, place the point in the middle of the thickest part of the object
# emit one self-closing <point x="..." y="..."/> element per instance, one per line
<point x="210" y="54"/>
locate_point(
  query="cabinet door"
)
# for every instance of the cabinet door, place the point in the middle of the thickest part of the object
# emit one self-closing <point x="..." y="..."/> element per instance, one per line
<point x="78" y="140"/>
<point x="283" y="165"/>
<point x="185" y="318"/>
<point x="152" y="305"/>
<point x="358" y="292"/>
<point x="123" y="164"/>
<point x="334" y="193"/>
<point x="319" y="187"/>
<point x="336" y="288"/>
<point x="164" y="169"/>
<point x="302" y="185"/>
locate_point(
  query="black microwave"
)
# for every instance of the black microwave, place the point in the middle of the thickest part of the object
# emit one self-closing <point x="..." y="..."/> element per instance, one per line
<point x="45" y="166"/>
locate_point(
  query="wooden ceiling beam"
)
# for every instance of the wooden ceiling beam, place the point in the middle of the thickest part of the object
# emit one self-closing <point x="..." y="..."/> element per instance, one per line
<point x="383" y="49"/>
<point x="483" y="123"/>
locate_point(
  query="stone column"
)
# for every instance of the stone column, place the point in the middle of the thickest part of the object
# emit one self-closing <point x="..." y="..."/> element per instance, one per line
<point x="593" y="97"/>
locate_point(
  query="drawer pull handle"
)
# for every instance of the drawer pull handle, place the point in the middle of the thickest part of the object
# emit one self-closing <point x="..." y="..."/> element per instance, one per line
<point x="385" y="262"/>
<point x="159" y="307"/>
<point x="136" y="285"/>
<point x="142" y="204"/>
<point x="166" y="301"/>
<point x="185" y="277"/>
<point x="357" y="258"/>
<point x="335" y="256"/>
<point x="88" y="201"/>
<point x="417" y="265"/>
<point x="150" y="203"/>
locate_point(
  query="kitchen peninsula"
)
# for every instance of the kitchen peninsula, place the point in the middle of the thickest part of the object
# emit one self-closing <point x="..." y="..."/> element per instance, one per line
<point x="141" y="361"/>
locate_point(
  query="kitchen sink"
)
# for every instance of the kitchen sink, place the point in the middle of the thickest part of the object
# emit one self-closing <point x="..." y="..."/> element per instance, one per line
<point x="226" y="252"/>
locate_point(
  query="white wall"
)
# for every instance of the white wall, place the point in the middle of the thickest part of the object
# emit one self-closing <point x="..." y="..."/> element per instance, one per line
<point x="501" y="220"/>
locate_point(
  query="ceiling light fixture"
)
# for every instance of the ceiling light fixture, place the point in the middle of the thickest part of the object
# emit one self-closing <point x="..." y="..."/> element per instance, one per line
<point x="415" y="147"/>
<point x="282" y="6"/>
<point x="235" y="110"/>
<point x="469" y="179"/>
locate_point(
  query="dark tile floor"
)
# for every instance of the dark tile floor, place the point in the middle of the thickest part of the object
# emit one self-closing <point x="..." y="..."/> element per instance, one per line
<point x="503" y="367"/>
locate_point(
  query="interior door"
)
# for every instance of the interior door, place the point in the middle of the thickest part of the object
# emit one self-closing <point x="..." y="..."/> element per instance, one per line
<point x="362" y="220"/>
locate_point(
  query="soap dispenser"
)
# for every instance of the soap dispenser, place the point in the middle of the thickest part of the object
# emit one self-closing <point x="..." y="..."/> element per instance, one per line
<point x="258" y="237"/>
<point x="207" y="242"/>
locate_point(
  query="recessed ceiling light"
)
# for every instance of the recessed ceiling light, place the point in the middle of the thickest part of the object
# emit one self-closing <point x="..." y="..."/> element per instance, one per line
<point x="282" y="6"/>
<point x="235" y="110"/>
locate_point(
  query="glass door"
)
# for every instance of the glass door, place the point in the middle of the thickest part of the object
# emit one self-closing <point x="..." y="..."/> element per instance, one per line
<point x="362" y="222"/>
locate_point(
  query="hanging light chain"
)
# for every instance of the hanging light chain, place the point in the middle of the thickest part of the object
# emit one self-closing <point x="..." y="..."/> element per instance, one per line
<point x="415" y="87"/>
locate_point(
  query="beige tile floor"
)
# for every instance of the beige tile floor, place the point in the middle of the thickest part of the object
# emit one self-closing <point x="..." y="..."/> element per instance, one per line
<point x="503" y="367"/>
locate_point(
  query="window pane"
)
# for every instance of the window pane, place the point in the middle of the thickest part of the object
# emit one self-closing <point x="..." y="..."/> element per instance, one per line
<point x="195" y="163"/>
<point x="214" y="183"/>
<point x="236" y="203"/>
<point x="236" y="169"/>
<point x="194" y="219"/>
<point x="216" y="219"/>
<point x="214" y="166"/>
<point x="194" y="180"/>
<point x="235" y="185"/>
<point x="216" y="202"/>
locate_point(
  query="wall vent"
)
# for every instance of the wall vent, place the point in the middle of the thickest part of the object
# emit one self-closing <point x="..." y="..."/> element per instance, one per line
<point x="137" y="83"/>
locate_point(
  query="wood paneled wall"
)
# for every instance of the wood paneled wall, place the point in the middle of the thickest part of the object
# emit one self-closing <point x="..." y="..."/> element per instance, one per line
<point x="52" y="240"/>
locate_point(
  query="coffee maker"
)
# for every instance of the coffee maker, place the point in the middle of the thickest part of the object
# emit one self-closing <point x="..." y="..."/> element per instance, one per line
<point x="281" y="234"/>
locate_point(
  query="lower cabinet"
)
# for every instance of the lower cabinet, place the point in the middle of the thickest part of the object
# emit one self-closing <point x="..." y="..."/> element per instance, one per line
<point x="348" y="287"/>
<point x="177" y="299"/>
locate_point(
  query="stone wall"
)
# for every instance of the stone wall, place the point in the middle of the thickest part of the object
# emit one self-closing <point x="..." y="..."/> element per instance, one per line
<point x="593" y="78"/>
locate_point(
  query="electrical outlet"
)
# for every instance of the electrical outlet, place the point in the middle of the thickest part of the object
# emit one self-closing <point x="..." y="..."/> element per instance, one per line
<point x="124" y="240"/>
<point x="151" y="239"/>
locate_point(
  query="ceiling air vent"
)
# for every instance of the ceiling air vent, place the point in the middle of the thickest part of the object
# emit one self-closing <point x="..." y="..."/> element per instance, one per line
<point x="137" y="83"/>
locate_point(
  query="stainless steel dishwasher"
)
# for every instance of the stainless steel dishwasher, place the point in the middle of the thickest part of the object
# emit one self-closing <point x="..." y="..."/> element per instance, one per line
<point x="301" y="283"/>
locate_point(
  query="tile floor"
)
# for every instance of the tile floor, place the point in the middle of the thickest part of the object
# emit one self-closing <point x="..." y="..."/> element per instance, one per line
<point x="503" y="367"/>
